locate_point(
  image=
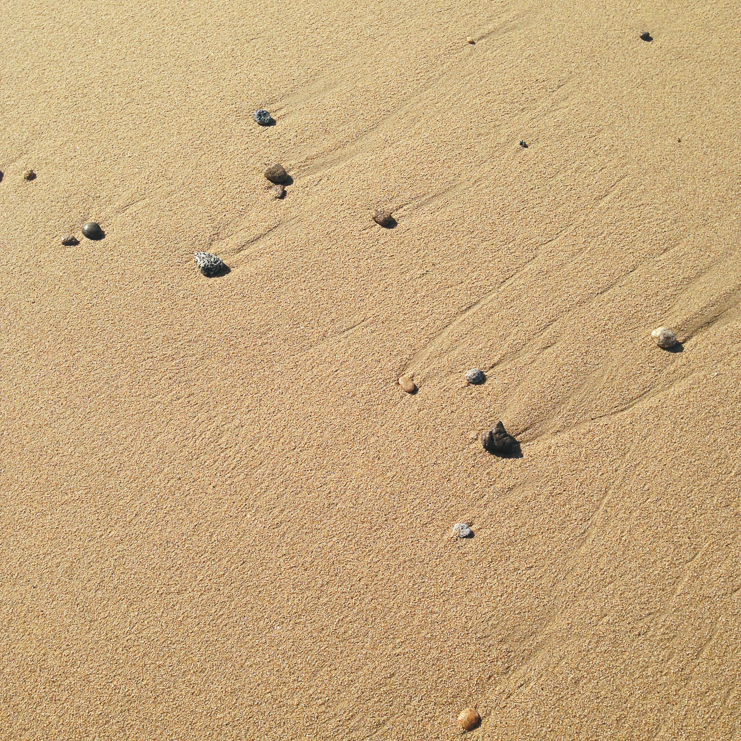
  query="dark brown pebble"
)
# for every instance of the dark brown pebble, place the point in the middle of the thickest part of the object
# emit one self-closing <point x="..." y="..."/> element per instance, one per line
<point x="523" y="143"/>
<point x="276" y="174"/>
<point x="92" y="230"/>
<point x="29" y="175"/>
<point x="278" y="191"/>
<point x="70" y="240"/>
<point x="383" y="218"/>
<point x="646" y="36"/>
<point x="499" y="442"/>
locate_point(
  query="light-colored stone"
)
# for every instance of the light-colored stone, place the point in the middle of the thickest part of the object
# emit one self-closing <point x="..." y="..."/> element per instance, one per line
<point x="462" y="530"/>
<point x="469" y="719"/>
<point x="407" y="384"/>
<point x="664" y="337"/>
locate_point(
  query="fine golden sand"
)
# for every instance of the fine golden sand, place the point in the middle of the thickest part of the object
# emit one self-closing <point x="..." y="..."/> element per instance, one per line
<point x="223" y="518"/>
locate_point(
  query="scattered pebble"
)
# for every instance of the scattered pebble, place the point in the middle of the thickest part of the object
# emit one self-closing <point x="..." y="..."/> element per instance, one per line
<point x="1" y="176"/>
<point x="646" y="36"/>
<point x="276" y="174"/>
<point x="70" y="240"/>
<point x="523" y="143"/>
<point x="407" y="384"/>
<point x="499" y="441"/>
<point x="664" y="337"/>
<point x="278" y="191"/>
<point x="263" y="117"/>
<point x="469" y="719"/>
<point x="384" y="218"/>
<point x="92" y="230"/>
<point x="470" y="40"/>
<point x="29" y="175"/>
<point x="462" y="530"/>
<point x="475" y="376"/>
<point x="209" y="264"/>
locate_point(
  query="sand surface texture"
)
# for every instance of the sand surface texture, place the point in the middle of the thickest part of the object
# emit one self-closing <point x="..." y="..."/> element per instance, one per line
<point x="221" y="516"/>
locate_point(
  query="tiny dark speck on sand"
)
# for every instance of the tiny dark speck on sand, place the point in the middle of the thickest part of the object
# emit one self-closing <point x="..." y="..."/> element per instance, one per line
<point x="646" y="36"/>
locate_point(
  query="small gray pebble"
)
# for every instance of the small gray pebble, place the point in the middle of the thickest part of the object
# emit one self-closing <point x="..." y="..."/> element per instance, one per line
<point x="70" y="240"/>
<point x="263" y="117"/>
<point x="462" y="530"/>
<point x="209" y="264"/>
<point x="475" y="376"/>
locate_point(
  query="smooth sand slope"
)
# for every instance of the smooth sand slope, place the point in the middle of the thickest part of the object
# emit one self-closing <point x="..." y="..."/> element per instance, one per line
<point x="222" y="518"/>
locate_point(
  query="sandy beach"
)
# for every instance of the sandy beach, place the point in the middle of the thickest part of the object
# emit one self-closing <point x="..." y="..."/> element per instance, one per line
<point x="221" y="515"/>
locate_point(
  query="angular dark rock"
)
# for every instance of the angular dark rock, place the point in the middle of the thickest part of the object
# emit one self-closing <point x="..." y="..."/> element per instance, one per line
<point x="499" y="442"/>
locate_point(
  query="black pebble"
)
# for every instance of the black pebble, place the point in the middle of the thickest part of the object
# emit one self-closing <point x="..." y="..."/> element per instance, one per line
<point x="523" y="143"/>
<point x="499" y="442"/>
<point x="646" y="36"/>
<point x="92" y="230"/>
<point x="1" y="177"/>
<point x="70" y="240"/>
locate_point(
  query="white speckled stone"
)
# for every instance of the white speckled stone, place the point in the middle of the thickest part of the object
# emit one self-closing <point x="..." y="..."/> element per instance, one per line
<point x="664" y="337"/>
<point x="209" y="264"/>
<point x="462" y="530"/>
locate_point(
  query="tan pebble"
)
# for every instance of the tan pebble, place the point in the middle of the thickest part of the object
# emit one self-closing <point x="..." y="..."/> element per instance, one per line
<point x="29" y="175"/>
<point x="384" y="218"/>
<point x="276" y="174"/>
<point x="664" y="337"/>
<point x="469" y="719"/>
<point x="470" y="40"/>
<point x="407" y="384"/>
<point x="278" y="191"/>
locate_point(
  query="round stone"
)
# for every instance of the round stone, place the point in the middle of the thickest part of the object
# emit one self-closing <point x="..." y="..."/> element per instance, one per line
<point x="276" y="174"/>
<point x="470" y="40"/>
<point x="70" y="240"/>
<point x="462" y="530"/>
<point x="475" y="376"/>
<point x="29" y="175"/>
<point x="209" y="264"/>
<point x="664" y="337"/>
<point x="469" y="719"/>
<point x="263" y="117"/>
<point x="407" y="384"/>
<point x="92" y="230"/>
<point x="384" y="218"/>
